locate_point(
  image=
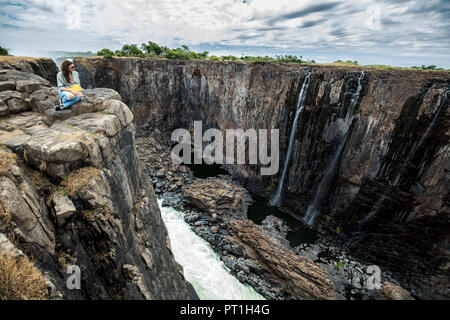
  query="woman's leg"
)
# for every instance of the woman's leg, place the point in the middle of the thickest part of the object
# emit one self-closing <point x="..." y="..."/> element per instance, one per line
<point x="70" y="102"/>
<point x="66" y="101"/>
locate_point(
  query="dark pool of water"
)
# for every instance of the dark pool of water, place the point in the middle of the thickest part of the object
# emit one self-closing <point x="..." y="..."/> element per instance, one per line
<point x="204" y="170"/>
<point x="300" y="232"/>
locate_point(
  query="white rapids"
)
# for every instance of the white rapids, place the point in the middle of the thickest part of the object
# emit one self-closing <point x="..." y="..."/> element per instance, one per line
<point x="208" y="275"/>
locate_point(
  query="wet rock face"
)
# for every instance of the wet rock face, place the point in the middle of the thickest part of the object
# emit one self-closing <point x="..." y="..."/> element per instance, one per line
<point x="389" y="179"/>
<point x="72" y="192"/>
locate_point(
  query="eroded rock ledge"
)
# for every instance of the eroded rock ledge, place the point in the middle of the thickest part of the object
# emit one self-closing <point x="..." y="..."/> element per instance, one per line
<point x="296" y="277"/>
<point x="72" y="192"/>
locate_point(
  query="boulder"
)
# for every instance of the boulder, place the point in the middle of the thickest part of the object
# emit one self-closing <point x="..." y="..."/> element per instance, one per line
<point x="391" y="291"/>
<point x="64" y="208"/>
<point x="29" y="217"/>
<point x="96" y="100"/>
<point x="55" y="146"/>
<point x="95" y="123"/>
<point x="275" y="225"/>
<point x="28" y="78"/>
<point x="57" y="116"/>
<point x="120" y="110"/>
<point x="7" y="85"/>
<point x="28" y="86"/>
<point x="18" y="105"/>
<point x="10" y="94"/>
<point x="16" y="129"/>
<point x="277" y="229"/>
<point x="57" y="151"/>
<point x="28" y="122"/>
<point x="15" y="101"/>
<point x="4" y="111"/>
<point x="6" y="247"/>
<point x="102" y="94"/>
<point x="44" y="99"/>
<point x="215" y="195"/>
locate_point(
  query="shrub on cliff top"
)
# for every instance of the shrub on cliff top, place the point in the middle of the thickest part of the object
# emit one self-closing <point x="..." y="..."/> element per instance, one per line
<point x="20" y="280"/>
<point x="152" y="48"/>
<point x="3" y="52"/>
<point x="184" y="53"/>
<point x="131" y="50"/>
<point x="105" y="53"/>
<point x="214" y="58"/>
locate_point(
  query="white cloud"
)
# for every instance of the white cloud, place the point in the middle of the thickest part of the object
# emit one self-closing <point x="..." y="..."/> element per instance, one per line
<point x="414" y="26"/>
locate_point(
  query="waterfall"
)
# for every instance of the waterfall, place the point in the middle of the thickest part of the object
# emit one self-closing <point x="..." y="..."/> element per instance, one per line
<point x="354" y="101"/>
<point x="201" y="265"/>
<point x="324" y="185"/>
<point x="275" y="201"/>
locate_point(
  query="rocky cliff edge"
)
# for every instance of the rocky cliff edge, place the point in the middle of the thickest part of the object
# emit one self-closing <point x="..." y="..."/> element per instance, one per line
<point x="72" y="193"/>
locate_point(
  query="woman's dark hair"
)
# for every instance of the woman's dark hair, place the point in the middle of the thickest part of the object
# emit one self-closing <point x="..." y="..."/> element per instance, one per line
<point x="65" y="69"/>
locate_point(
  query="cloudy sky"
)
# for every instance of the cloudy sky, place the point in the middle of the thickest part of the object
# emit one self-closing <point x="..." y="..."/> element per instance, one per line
<point x="401" y="32"/>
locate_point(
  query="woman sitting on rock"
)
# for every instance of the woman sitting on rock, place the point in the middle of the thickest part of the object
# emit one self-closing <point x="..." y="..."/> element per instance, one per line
<point x="68" y="86"/>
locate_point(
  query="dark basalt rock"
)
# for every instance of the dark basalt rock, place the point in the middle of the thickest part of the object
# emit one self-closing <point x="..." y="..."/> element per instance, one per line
<point x="394" y="149"/>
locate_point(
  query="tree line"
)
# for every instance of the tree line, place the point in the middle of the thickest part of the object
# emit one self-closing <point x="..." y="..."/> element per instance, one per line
<point x="151" y="49"/>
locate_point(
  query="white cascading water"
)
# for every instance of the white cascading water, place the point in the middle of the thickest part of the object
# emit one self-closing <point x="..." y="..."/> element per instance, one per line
<point x="300" y="106"/>
<point x="202" y="266"/>
<point x="324" y="185"/>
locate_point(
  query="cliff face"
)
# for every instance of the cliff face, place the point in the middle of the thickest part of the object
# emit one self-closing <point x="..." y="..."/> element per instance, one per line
<point x="370" y="157"/>
<point x="72" y="192"/>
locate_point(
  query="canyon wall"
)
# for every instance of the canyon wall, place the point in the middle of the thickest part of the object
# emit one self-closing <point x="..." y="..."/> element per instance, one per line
<point x="72" y="192"/>
<point x="373" y="166"/>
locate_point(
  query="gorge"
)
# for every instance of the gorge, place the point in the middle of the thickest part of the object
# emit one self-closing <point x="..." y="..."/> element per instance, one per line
<point x="364" y="155"/>
<point x="392" y="112"/>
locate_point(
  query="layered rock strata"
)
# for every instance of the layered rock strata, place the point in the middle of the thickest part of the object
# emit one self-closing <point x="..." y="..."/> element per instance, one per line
<point x="372" y="166"/>
<point x="72" y="193"/>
